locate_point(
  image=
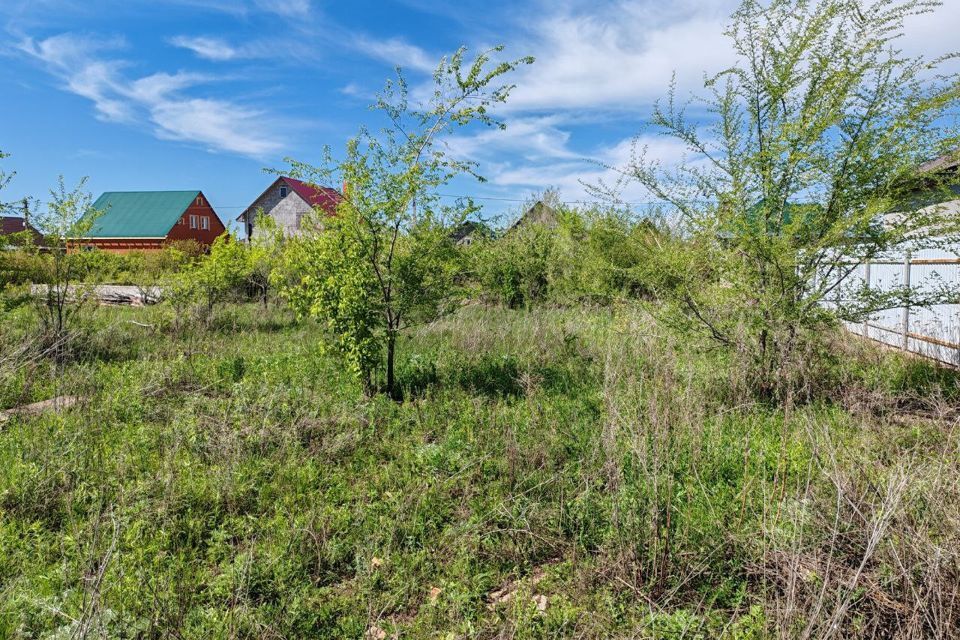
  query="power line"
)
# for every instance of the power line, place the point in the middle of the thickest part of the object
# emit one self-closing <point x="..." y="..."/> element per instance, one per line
<point x="497" y="199"/>
<point x="522" y="200"/>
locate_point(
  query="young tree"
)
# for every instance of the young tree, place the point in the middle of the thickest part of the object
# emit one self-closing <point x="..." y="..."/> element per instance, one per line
<point x="815" y="135"/>
<point x="5" y="241"/>
<point x="383" y="263"/>
<point x="5" y="179"/>
<point x="69" y="216"/>
<point x="266" y="249"/>
<point x="15" y="239"/>
<point x="208" y="280"/>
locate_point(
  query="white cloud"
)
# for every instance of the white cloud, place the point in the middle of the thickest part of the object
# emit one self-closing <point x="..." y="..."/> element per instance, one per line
<point x="535" y="152"/>
<point x="397" y="52"/>
<point x="208" y="48"/>
<point x="933" y="34"/>
<point x="353" y="90"/>
<point x="158" y="98"/>
<point x="622" y="56"/>
<point x="219" y="124"/>
<point x="530" y="138"/>
<point x="571" y="173"/>
<point x="93" y="79"/>
<point x="156" y="88"/>
<point x="280" y="49"/>
<point x="595" y="63"/>
<point x="288" y="8"/>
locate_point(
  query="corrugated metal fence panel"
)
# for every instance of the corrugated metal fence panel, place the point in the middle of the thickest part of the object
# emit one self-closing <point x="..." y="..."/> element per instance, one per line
<point x="934" y="331"/>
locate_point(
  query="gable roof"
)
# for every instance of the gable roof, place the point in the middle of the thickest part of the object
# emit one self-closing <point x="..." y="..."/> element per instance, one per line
<point x="326" y="198"/>
<point x="139" y="214"/>
<point x="540" y="213"/>
<point x="15" y="224"/>
<point x="469" y="228"/>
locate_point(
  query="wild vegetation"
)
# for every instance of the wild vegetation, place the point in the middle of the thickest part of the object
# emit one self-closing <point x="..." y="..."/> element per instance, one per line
<point x="593" y="425"/>
<point x="553" y="473"/>
<point x="817" y="136"/>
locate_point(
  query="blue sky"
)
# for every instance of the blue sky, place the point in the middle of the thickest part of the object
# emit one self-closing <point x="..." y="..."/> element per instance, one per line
<point x="182" y="94"/>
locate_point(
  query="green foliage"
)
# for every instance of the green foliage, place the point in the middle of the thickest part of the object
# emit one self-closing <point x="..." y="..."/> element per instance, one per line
<point x="225" y="271"/>
<point x="336" y="283"/>
<point x="515" y="270"/>
<point x="14" y="268"/>
<point x="69" y="214"/>
<point x="231" y="271"/>
<point x="390" y="219"/>
<point x="594" y="256"/>
<point x="5" y="179"/>
<point x="818" y="134"/>
<point x="561" y="473"/>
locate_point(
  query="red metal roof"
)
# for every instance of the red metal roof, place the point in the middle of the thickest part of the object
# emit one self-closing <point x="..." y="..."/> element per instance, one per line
<point x="324" y="197"/>
<point x="15" y="224"/>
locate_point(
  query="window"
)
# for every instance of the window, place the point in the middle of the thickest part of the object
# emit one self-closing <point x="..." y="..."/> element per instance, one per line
<point x="283" y="192"/>
<point x="200" y="200"/>
<point x="205" y="223"/>
<point x="193" y="222"/>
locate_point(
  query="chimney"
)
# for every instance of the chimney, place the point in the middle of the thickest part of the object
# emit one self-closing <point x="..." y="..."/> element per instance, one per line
<point x="26" y="214"/>
<point x="345" y="190"/>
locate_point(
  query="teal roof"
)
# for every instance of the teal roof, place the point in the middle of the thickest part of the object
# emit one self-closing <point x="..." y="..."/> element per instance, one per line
<point x="139" y="214"/>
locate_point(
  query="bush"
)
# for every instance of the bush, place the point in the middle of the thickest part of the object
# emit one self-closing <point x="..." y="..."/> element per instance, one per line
<point x="595" y="256"/>
<point x="233" y="271"/>
<point x="514" y="270"/>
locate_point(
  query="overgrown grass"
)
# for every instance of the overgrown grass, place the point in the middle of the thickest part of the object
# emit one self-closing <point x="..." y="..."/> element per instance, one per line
<point x="552" y="473"/>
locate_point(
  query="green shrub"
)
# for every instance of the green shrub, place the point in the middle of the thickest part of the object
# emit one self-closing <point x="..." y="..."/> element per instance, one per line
<point x="589" y="256"/>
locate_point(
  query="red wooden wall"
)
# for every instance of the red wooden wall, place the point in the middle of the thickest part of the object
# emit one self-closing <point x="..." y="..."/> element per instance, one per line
<point x="182" y="230"/>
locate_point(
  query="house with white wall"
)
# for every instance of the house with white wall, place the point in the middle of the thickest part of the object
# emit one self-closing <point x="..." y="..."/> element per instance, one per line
<point x="288" y="202"/>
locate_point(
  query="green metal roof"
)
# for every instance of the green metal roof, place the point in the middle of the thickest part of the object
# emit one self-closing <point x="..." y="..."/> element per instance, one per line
<point x="139" y="214"/>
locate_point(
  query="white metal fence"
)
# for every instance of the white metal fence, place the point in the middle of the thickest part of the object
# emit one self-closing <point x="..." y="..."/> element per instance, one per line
<point x="933" y="332"/>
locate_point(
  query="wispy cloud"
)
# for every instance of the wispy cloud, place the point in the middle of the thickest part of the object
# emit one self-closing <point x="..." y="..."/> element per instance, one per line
<point x="282" y="50"/>
<point x="208" y="48"/>
<point x="531" y="138"/>
<point x="353" y="90"/>
<point x="601" y="165"/>
<point x="289" y="8"/>
<point x="217" y="123"/>
<point x="158" y="99"/>
<point x="395" y="51"/>
<point x="534" y="152"/>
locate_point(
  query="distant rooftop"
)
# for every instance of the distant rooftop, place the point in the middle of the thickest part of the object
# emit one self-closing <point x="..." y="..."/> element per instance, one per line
<point x="326" y="198"/>
<point x="139" y="214"/>
<point x="14" y="224"/>
<point x="943" y="163"/>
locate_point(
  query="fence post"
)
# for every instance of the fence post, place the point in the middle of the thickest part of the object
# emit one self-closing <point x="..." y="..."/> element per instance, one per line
<point x="906" y="307"/>
<point x="866" y="284"/>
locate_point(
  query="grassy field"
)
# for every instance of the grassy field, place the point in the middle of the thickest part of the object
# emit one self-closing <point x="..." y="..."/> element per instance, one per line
<point x="551" y="473"/>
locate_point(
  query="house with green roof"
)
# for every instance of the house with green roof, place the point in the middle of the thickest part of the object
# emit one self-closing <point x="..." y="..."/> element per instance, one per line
<point x="149" y="220"/>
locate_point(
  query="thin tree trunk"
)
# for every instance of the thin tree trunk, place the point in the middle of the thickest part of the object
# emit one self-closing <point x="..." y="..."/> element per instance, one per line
<point x="391" y="381"/>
